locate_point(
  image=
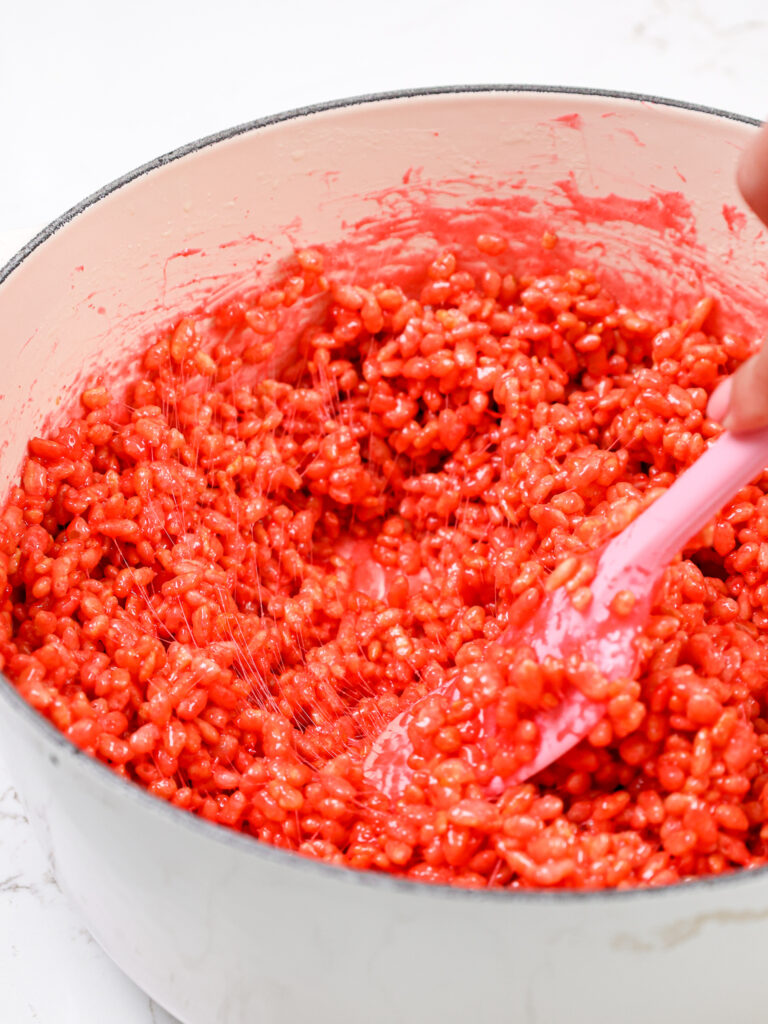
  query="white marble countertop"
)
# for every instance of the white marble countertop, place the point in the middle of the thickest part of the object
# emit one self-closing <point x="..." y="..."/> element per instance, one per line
<point x="90" y="90"/>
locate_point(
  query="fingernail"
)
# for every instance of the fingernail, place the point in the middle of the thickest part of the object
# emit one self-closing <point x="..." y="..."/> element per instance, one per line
<point x="719" y="401"/>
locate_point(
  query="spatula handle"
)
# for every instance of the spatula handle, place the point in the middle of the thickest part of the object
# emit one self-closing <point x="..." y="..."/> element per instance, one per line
<point x="693" y="499"/>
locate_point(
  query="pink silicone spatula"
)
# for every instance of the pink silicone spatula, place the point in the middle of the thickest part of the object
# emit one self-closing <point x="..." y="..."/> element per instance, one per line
<point x="634" y="560"/>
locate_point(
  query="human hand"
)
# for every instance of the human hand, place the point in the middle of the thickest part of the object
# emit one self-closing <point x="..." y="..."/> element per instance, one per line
<point x="740" y="403"/>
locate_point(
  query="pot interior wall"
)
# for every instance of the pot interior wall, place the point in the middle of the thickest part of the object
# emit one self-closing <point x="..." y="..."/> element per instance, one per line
<point x="644" y="195"/>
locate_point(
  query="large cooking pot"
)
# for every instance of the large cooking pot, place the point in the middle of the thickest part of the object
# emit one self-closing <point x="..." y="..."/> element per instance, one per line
<point x="215" y="926"/>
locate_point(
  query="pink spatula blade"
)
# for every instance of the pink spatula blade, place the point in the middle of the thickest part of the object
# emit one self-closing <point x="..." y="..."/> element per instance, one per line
<point x="635" y="561"/>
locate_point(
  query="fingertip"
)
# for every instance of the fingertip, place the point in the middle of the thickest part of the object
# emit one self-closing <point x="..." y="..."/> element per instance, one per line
<point x="720" y="400"/>
<point x="747" y="407"/>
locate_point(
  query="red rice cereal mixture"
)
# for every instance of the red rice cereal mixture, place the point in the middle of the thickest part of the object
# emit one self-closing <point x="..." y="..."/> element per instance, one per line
<point x="185" y="591"/>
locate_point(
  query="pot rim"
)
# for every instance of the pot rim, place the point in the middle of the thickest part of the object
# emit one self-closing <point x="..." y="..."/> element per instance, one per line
<point x="60" y="746"/>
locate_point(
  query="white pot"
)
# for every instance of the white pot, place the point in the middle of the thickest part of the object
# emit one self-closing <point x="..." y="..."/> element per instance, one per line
<point x="216" y="927"/>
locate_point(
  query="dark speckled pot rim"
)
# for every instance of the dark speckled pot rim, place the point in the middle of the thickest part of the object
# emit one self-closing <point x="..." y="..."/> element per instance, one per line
<point x="60" y="747"/>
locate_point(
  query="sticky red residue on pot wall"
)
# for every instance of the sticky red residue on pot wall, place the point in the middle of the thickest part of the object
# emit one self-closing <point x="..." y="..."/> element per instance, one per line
<point x="735" y="219"/>
<point x="571" y="120"/>
<point x="646" y="250"/>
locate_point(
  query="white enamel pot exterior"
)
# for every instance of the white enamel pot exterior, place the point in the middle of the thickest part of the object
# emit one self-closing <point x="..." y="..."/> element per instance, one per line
<point x="216" y="927"/>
